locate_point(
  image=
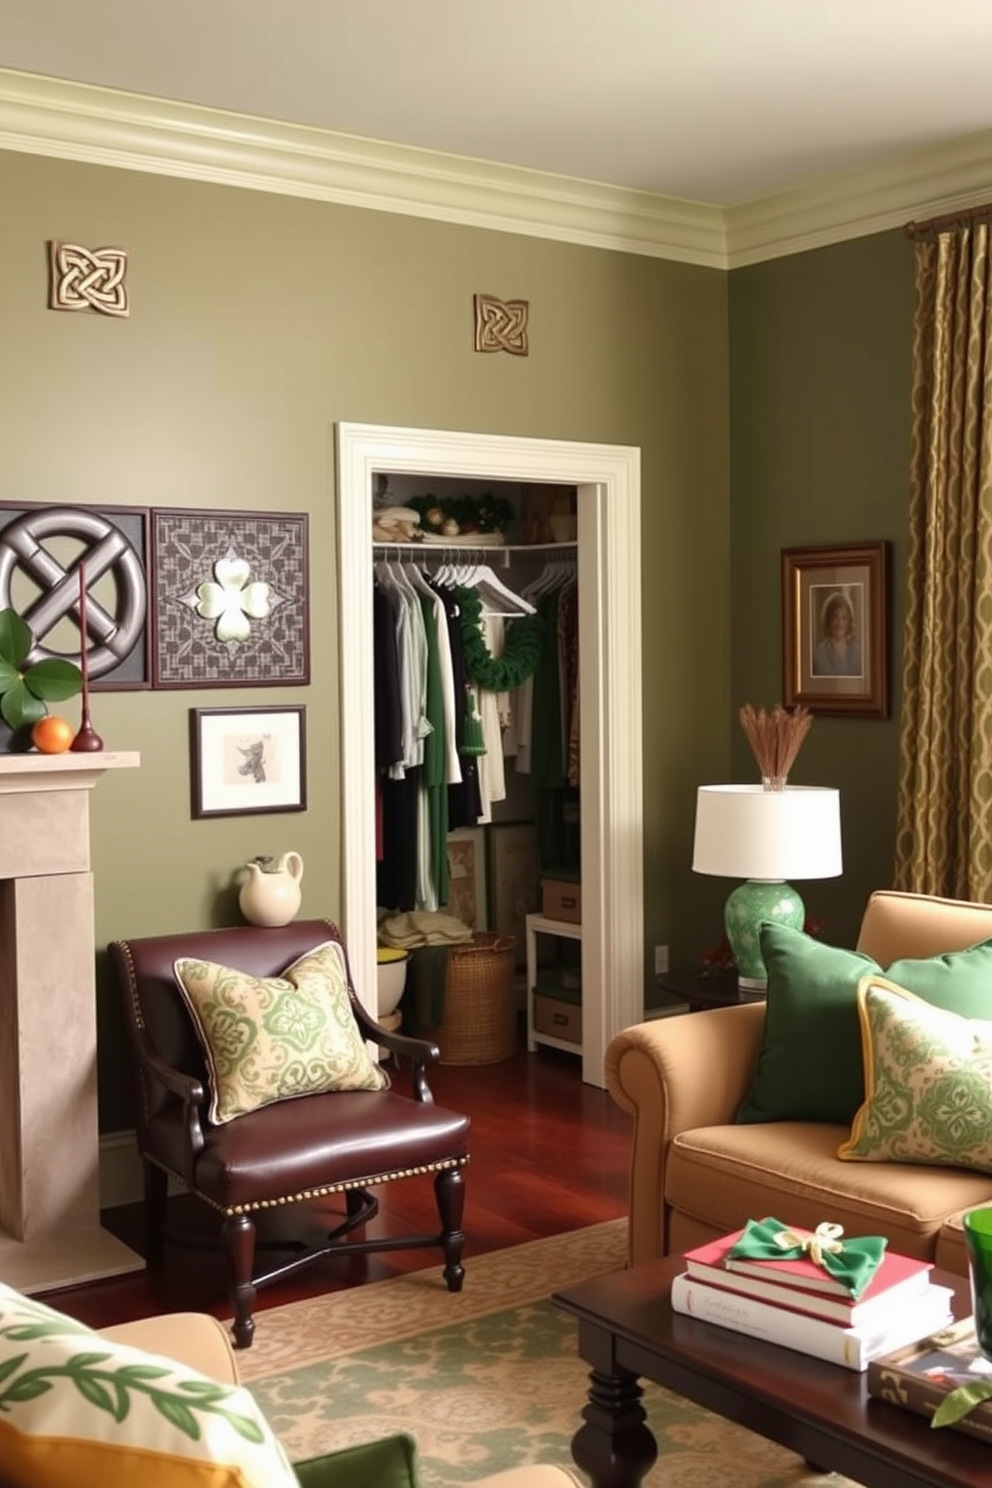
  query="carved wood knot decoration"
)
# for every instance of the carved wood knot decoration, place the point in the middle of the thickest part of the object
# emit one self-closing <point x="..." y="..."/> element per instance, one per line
<point x="501" y="325"/>
<point x="87" y="279"/>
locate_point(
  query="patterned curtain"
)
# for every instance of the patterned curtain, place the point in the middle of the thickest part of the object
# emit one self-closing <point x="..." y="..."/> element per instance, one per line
<point x="944" y="817"/>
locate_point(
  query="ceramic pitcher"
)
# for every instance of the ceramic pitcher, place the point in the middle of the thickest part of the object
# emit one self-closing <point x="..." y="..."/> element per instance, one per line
<point x="271" y="896"/>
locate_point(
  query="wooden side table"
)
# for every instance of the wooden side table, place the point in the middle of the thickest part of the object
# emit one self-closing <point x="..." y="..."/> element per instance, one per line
<point x="719" y="989"/>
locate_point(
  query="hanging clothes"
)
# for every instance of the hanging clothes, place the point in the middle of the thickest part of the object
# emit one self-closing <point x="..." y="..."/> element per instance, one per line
<point x="556" y="800"/>
<point x="464" y="799"/>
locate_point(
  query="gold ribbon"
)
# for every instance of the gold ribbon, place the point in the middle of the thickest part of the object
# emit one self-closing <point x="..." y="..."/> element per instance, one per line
<point x="825" y="1240"/>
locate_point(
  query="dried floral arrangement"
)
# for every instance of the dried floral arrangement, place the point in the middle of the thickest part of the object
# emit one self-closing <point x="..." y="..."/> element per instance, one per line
<point x="775" y="737"/>
<point x="455" y="516"/>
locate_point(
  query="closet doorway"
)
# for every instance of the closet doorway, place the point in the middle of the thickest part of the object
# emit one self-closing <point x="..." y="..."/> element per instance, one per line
<point x="607" y="478"/>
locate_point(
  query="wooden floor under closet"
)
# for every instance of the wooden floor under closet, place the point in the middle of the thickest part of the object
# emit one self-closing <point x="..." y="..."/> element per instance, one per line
<point x="548" y="1154"/>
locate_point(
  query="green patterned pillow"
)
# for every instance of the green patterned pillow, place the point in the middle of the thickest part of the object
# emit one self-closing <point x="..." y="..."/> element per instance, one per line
<point x="78" y="1409"/>
<point x="928" y="1083"/>
<point x="269" y="1038"/>
<point x="809" y="1065"/>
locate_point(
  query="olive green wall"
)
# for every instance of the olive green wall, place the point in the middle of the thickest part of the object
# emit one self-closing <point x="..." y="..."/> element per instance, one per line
<point x="258" y="322"/>
<point x="820" y="402"/>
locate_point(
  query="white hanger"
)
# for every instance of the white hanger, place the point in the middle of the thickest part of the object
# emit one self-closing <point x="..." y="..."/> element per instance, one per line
<point x="556" y="571"/>
<point x="497" y="596"/>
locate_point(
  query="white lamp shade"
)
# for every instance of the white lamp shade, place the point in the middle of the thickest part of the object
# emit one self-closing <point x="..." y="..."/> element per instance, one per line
<point x="745" y="831"/>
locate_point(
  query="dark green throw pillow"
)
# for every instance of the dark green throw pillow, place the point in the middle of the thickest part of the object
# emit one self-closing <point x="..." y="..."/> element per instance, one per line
<point x="387" y="1463"/>
<point x="810" y="1065"/>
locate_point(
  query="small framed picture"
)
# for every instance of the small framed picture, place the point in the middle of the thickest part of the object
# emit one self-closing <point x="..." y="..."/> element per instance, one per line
<point x="835" y="629"/>
<point x="467" y="876"/>
<point x="245" y="761"/>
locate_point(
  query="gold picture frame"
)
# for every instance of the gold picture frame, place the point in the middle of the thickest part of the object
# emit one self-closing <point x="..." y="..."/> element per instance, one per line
<point x="835" y="629"/>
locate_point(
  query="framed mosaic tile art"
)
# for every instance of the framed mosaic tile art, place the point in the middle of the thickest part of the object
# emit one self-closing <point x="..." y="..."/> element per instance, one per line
<point x="230" y="598"/>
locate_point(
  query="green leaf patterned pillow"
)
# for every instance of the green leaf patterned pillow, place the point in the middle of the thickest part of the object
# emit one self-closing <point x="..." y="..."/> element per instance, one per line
<point x="79" y="1409"/>
<point x="928" y="1083"/>
<point x="271" y="1038"/>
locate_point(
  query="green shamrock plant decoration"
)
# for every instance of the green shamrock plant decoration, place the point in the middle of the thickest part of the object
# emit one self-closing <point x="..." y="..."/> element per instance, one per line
<point x="26" y="691"/>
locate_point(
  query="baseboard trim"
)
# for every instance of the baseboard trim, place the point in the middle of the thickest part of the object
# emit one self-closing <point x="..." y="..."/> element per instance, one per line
<point x="121" y="1176"/>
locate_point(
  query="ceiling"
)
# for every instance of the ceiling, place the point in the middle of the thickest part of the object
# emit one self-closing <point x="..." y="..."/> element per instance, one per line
<point x="709" y="101"/>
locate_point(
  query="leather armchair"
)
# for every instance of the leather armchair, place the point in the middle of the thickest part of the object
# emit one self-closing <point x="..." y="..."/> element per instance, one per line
<point x="293" y="1150"/>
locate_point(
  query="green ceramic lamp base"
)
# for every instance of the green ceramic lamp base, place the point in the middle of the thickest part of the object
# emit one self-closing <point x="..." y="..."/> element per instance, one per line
<point x="747" y="906"/>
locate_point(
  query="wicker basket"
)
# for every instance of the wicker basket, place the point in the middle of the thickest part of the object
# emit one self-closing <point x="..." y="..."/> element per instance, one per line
<point x="479" y="1025"/>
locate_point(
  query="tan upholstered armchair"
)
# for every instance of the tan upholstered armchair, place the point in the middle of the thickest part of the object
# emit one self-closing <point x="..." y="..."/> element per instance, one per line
<point x="292" y="1150"/>
<point x="696" y="1172"/>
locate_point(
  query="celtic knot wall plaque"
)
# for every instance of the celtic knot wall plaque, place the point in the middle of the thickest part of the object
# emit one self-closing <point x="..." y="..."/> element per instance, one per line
<point x="231" y="599"/>
<point x="501" y="325"/>
<point x="87" y="279"/>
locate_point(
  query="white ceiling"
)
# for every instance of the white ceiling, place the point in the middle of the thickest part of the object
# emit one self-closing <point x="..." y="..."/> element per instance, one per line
<point x="712" y="101"/>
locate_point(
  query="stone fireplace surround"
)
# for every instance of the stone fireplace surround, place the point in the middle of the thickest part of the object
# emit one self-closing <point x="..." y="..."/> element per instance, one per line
<point x="50" y="1233"/>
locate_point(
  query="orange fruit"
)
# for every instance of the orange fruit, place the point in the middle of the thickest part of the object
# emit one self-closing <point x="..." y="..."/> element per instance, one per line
<point x="53" y="735"/>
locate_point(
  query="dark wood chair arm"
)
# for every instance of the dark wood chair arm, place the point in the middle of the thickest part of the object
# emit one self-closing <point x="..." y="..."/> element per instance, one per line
<point x="420" y="1052"/>
<point x="187" y="1088"/>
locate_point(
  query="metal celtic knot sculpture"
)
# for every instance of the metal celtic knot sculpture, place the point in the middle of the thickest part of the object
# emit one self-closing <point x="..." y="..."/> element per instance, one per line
<point x="31" y="543"/>
<point x="501" y="325"/>
<point x="87" y="279"/>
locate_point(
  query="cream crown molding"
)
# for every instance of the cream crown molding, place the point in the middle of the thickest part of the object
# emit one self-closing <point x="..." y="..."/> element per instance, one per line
<point x="74" y="121"/>
<point x="914" y="185"/>
<point x="101" y="126"/>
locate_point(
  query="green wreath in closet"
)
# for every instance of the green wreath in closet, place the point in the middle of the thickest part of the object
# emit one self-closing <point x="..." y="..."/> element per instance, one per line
<point x="521" y="652"/>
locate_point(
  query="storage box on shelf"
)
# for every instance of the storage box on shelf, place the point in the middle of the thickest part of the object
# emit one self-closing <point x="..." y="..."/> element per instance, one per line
<point x="561" y="897"/>
<point x="558" y="1012"/>
<point x="554" y="1010"/>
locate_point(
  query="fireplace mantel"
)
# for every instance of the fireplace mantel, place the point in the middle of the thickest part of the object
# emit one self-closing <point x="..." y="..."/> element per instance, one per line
<point x="34" y="772"/>
<point x="50" y="1233"/>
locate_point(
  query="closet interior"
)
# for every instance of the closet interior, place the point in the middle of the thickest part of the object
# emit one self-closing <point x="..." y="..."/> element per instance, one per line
<point x="477" y="709"/>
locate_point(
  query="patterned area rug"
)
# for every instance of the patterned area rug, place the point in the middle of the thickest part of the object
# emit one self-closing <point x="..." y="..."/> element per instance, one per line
<point x="485" y="1380"/>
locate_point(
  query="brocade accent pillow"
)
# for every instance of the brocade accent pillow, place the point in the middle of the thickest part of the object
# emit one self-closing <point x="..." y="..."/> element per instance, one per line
<point x="809" y="1064"/>
<point x="928" y="1083"/>
<point x="270" y="1038"/>
<point x="79" y="1409"/>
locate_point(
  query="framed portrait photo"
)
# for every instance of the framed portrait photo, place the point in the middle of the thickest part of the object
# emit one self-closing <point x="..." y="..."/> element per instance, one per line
<point x="835" y="629"/>
<point x="245" y="761"/>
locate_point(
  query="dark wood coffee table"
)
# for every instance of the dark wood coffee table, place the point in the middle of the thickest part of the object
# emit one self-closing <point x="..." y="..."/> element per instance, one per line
<point x="628" y="1331"/>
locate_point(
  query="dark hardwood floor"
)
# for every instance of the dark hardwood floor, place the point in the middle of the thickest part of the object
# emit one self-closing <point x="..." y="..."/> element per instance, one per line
<point x="548" y="1154"/>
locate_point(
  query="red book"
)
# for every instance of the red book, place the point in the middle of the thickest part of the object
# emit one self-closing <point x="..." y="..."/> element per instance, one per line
<point x="803" y="1286"/>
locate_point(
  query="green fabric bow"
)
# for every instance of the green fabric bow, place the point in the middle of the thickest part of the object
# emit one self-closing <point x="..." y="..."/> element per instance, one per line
<point x="852" y="1263"/>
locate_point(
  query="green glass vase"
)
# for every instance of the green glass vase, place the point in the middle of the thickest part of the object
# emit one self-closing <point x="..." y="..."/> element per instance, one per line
<point x="977" y="1225"/>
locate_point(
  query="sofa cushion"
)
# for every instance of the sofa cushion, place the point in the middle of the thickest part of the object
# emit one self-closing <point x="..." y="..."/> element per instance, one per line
<point x="718" y="1177"/>
<point x="809" y="1064"/>
<point x="81" y="1409"/>
<point x="270" y="1038"/>
<point x="952" y="1251"/>
<point x="928" y="1083"/>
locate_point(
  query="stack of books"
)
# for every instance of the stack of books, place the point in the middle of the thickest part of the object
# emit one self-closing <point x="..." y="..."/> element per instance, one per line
<point x="797" y="1304"/>
<point x="922" y="1375"/>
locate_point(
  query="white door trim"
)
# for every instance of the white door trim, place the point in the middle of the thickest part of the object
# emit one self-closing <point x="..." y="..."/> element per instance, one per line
<point x="608" y="481"/>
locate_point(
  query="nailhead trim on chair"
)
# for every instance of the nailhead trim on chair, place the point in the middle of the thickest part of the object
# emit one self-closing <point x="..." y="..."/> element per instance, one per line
<point x="318" y="1193"/>
<point x="329" y="1188"/>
